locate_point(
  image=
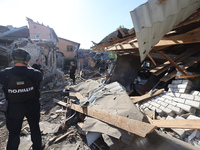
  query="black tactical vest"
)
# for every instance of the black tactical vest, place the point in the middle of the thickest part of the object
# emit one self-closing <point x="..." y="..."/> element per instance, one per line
<point x="20" y="88"/>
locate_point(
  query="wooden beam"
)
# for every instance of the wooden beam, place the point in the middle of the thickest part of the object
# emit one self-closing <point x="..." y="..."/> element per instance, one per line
<point x="130" y="125"/>
<point x="61" y="137"/>
<point x="179" y="58"/>
<point x="50" y="91"/>
<point x="179" y="124"/>
<point x="166" y="64"/>
<point x="186" y="66"/>
<point x="173" y="63"/>
<point x="122" y="32"/>
<point x="147" y="96"/>
<point x="151" y="59"/>
<point x="185" y="38"/>
<point x="189" y="76"/>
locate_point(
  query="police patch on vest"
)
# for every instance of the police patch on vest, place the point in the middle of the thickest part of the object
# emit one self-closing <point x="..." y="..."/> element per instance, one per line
<point x="20" y="83"/>
<point x="24" y="90"/>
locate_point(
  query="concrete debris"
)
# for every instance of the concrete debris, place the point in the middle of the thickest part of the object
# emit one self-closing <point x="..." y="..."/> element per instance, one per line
<point x="119" y="102"/>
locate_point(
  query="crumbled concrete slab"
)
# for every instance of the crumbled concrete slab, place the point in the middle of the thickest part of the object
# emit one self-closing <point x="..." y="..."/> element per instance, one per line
<point x="47" y="127"/>
<point x="25" y="142"/>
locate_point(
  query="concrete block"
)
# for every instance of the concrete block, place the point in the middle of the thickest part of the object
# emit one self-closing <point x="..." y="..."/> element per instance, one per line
<point x="161" y="98"/>
<point x="197" y="98"/>
<point x="155" y="104"/>
<point x="168" y="101"/>
<point x="167" y="97"/>
<point x="179" y="100"/>
<point x="166" y="110"/>
<point x="188" y="82"/>
<point x="193" y="103"/>
<point x="153" y="108"/>
<point x="193" y="117"/>
<point x="146" y="104"/>
<point x="187" y="96"/>
<point x="194" y="92"/>
<point x="176" y="81"/>
<point x="159" y="102"/>
<point x="184" y="91"/>
<point x="171" y="86"/>
<point x="184" y="86"/>
<point x="164" y="104"/>
<point x="159" y="111"/>
<point x="186" y="108"/>
<point x="174" y="94"/>
<point x="179" y="117"/>
<point x="180" y="132"/>
<point x="150" y="106"/>
<point x="143" y="107"/>
<point x="177" y="110"/>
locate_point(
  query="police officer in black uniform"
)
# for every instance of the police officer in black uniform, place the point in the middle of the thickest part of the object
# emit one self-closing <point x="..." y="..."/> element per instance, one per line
<point x="21" y="87"/>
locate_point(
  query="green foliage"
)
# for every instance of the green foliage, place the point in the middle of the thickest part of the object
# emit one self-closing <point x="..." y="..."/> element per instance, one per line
<point x="112" y="56"/>
<point x="121" y="26"/>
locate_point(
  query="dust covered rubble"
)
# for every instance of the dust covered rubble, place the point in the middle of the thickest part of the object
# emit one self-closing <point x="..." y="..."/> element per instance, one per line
<point x="181" y="101"/>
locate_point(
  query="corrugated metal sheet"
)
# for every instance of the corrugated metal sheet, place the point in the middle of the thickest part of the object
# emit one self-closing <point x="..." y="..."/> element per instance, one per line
<point x="152" y="20"/>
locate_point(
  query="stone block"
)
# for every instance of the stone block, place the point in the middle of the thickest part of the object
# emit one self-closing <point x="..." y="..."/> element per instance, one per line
<point x="193" y="117"/>
<point x="188" y="82"/>
<point x="184" y="91"/>
<point x="155" y="104"/>
<point x="166" y="110"/>
<point x="194" y="92"/>
<point x="177" y="110"/>
<point x="174" y="94"/>
<point x="176" y="81"/>
<point x="193" y="103"/>
<point x="197" y="98"/>
<point x="164" y="104"/>
<point x="187" y="96"/>
<point x="180" y="132"/>
<point x="179" y="100"/>
<point x="186" y="108"/>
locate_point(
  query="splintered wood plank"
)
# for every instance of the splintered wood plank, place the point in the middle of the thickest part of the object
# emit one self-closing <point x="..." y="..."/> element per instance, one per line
<point x="122" y="32"/>
<point x="151" y="59"/>
<point x="186" y="66"/>
<point x="174" y="64"/>
<point x="189" y="76"/>
<point x="130" y="125"/>
<point x="167" y="63"/>
<point x="184" y="56"/>
<point x="179" y="124"/>
<point x="169" y="76"/>
<point x="66" y="134"/>
<point x="147" y="96"/>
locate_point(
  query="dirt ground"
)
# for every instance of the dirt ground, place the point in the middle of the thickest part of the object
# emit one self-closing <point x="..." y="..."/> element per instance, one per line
<point x="74" y="140"/>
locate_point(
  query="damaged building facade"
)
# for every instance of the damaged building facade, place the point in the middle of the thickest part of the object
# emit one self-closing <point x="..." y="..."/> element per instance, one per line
<point x="39" y="40"/>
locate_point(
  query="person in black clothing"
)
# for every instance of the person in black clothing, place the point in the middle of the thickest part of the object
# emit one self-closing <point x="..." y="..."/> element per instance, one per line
<point x="38" y="66"/>
<point x="72" y="71"/>
<point x="21" y="87"/>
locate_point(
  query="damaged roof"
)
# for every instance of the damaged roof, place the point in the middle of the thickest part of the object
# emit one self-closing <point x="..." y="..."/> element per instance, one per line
<point x="153" y="20"/>
<point x="15" y="33"/>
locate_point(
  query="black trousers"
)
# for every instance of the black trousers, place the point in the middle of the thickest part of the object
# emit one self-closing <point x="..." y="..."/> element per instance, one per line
<point x="72" y="76"/>
<point x="15" y="115"/>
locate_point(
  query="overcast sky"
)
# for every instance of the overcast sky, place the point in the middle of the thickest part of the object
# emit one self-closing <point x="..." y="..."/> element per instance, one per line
<point x="80" y="21"/>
